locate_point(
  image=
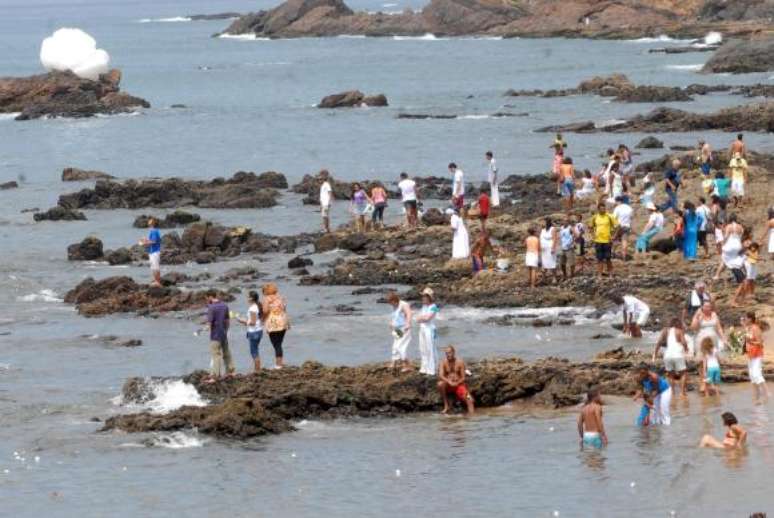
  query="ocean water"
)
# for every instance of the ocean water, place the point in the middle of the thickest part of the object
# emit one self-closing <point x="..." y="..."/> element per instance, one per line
<point x="250" y="106"/>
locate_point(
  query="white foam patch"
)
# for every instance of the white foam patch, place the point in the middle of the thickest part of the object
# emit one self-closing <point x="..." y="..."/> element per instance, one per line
<point x="169" y="395"/>
<point x="352" y="36"/>
<point x="692" y="67"/>
<point x="610" y="122"/>
<point x="425" y="37"/>
<point x="474" y="117"/>
<point x="9" y="116"/>
<point x="580" y="314"/>
<point x="247" y="37"/>
<point x="76" y="51"/>
<point x="663" y="38"/>
<point x="177" y="441"/>
<point x="713" y="38"/>
<point x="41" y="296"/>
<point x="172" y="19"/>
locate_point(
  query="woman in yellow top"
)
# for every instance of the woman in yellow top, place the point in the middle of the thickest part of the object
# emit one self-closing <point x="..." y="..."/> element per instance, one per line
<point x="276" y="322"/>
<point x="603" y="224"/>
<point x="738" y="167"/>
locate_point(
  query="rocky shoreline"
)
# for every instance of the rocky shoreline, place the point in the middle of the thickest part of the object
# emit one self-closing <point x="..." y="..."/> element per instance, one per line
<point x="269" y="402"/>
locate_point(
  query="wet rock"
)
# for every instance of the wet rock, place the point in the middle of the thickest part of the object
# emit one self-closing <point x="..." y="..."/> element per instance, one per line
<point x="116" y="341"/>
<point x="119" y="256"/>
<point x="175" y="278"/>
<point x="650" y="143"/>
<point x="73" y="174"/>
<point x="124" y="295"/>
<point x="757" y="90"/>
<point x="663" y="245"/>
<point x="179" y="218"/>
<point x="243" y="190"/>
<point x="353" y="242"/>
<point x="423" y="116"/>
<point x="742" y="57"/>
<point x="244" y="273"/>
<point x="9" y="185"/>
<point x="684" y="49"/>
<point x="433" y="217"/>
<point x="350" y="99"/>
<point x="31" y="209"/>
<point x="63" y="94"/>
<point x="205" y="258"/>
<point x="300" y="262"/>
<point x="326" y="243"/>
<point x="376" y="255"/>
<point x="575" y="127"/>
<point x="269" y="401"/>
<point x="616" y="82"/>
<point x="652" y="94"/>
<point x="90" y="249"/>
<point x="365" y="291"/>
<point x="600" y="336"/>
<point x="214" y="16"/>
<point x="59" y="214"/>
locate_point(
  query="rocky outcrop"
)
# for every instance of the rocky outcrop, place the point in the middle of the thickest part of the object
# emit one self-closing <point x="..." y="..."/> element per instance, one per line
<point x="617" y="86"/>
<point x="5" y="186"/>
<point x="738" y="10"/>
<point x="447" y="116"/>
<point x="757" y="90"/>
<point x="214" y="16"/>
<point x="743" y="57"/>
<point x="653" y="94"/>
<point x="63" y="94"/>
<point x="268" y="402"/>
<point x="650" y="143"/>
<point x="73" y="174"/>
<point x="351" y="99"/>
<point x="242" y="191"/>
<point x="123" y="295"/>
<point x="179" y="218"/>
<point x="90" y="249"/>
<point x="59" y="214"/>
<point x="751" y="117"/>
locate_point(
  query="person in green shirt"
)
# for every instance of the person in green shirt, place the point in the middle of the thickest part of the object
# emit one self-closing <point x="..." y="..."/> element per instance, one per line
<point x="602" y="225"/>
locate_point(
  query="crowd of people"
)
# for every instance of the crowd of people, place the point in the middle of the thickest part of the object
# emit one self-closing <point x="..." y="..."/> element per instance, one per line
<point x="557" y="250"/>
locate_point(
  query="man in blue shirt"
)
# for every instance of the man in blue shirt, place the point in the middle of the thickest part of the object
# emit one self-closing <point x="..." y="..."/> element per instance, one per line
<point x="219" y="319"/>
<point x="153" y="245"/>
<point x="672" y="184"/>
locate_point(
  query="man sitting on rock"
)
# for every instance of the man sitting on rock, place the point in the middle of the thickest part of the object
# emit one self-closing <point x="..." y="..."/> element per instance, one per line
<point x="452" y="381"/>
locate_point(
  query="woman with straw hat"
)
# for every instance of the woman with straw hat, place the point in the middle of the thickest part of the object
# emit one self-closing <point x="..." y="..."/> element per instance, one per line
<point x="427" y="333"/>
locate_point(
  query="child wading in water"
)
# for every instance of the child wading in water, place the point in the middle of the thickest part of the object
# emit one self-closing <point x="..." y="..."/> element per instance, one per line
<point x="591" y="428"/>
<point x="647" y="405"/>
<point x="735" y="437"/>
<point x="710" y="366"/>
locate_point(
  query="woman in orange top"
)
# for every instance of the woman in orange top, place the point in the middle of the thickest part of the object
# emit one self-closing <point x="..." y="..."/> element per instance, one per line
<point x="276" y="321"/>
<point x="753" y="345"/>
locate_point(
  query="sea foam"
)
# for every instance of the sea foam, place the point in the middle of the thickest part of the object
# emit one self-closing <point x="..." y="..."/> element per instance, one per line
<point x="41" y="296"/>
<point x="172" y="19"/>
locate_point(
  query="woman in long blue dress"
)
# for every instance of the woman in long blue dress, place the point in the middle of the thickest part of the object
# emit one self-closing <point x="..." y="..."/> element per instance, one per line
<point x="692" y="223"/>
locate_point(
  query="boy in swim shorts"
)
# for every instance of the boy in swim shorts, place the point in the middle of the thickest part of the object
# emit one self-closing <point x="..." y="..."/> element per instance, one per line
<point x="590" y="426"/>
<point x="532" y="257"/>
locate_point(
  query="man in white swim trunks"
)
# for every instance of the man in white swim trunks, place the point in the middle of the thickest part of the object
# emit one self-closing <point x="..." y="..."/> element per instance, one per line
<point x="326" y="197"/>
<point x="635" y="314"/>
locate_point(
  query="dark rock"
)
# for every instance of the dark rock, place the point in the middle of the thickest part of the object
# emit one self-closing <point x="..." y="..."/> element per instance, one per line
<point x="115" y="340"/>
<point x="32" y="209"/>
<point x="73" y="174"/>
<point x="63" y="94"/>
<point x="326" y="243"/>
<point x="119" y="256"/>
<point x="300" y="262"/>
<point x="353" y="242"/>
<point x="650" y="143"/>
<point x="205" y="258"/>
<point x="576" y="127"/>
<point x="90" y="249"/>
<point x="59" y="214"/>
<point x="9" y="185"/>
<point x="664" y="245"/>
<point x="421" y="116"/>
<point x="179" y="218"/>
<point x="215" y="16"/>
<point x="434" y="217"/>
<point x="350" y="99"/>
<point x="652" y="94"/>
<point x="178" y="106"/>
<point x="743" y="57"/>
<point x="174" y="278"/>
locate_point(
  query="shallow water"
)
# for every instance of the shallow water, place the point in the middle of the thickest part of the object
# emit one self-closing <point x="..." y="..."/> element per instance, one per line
<point x="250" y="107"/>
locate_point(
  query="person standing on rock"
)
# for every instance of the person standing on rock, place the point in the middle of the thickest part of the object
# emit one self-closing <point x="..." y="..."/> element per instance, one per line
<point x="623" y="214"/>
<point x="603" y="224"/>
<point x="557" y="167"/>
<point x="276" y="321"/>
<point x="566" y="181"/>
<point x="481" y="247"/>
<point x="379" y="199"/>
<point x="738" y="167"/>
<point x="326" y="198"/>
<point x="458" y="187"/>
<point x="427" y="334"/>
<point x="484" y="203"/>
<point x="675" y="351"/>
<point x="359" y="206"/>
<point x="706" y="217"/>
<point x="218" y="318"/>
<point x="635" y="314"/>
<point x="408" y="194"/>
<point x="452" y="381"/>
<point x="660" y="392"/>
<point x="461" y="239"/>
<point x="705" y="158"/>
<point x="768" y="233"/>
<point x="532" y="256"/>
<point x="671" y="185"/>
<point x="591" y="427"/>
<point x="549" y="243"/>
<point x="567" y="236"/>
<point x="738" y="146"/>
<point x="494" y="186"/>
<point x="153" y="245"/>
<point x="696" y="299"/>
<point x="400" y="323"/>
<point x="254" y="327"/>
<point x="692" y="223"/>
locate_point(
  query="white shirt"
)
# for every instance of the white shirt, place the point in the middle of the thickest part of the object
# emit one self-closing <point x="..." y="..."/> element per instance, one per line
<point x="623" y="213"/>
<point x="634" y="306"/>
<point x="253" y="310"/>
<point x="325" y="194"/>
<point x="704" y="212"/>
<point x="656" y="220"/>
<point x="492" y="167"/>
<point x="408" y="190"/>
<point x="458" y="189"/>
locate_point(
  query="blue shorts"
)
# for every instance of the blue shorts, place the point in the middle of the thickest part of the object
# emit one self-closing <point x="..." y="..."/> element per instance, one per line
<point x="705" y="168"/>
<point x="644" y="418"/>
<point x="713" y="376"/>
<point x="592" y="439"/>
<point x="254" y="339"/>
<point x="568" y="188"/>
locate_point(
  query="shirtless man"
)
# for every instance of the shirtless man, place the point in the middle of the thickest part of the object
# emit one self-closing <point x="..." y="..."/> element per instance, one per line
<point x="590" y="426"/>
<point x="532" y="257"/>
<point x="452" y="376"/>
<point x="738" y="146"/>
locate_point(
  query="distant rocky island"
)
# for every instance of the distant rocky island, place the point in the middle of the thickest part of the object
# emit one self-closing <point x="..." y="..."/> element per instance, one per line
<point x="612" y="19"/>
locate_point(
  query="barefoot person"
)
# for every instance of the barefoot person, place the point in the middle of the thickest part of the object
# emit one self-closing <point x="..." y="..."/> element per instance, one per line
<point x="623" y="214"/>
<point x="458" y="187"/>
<point x="452" y="381"/>
<point x="591" y="428"/>
<point x="427" y="334"/>
<point x="753" y="344"/>
<point x="735" y="437"/>
<point x="408" y="194"/>
<point x="276" y="321"/>
<point x="602" y="225"/>
<point x="657" y="389"/>
<point x="532" y="257"/>
<point x="400" y="323"/>
<point x="326" y="197"/>
<point x="738" y="146"/>
<point x="675" y="350"/>
<point x="567" y="181"/>
<point x="635" y="314"/>
<point x="549" y="243"/>
<point x="710" y="367"/>
<point x="460" y="239"/>
<point x="738" y="168"/>
<point x="153" y="244"/>
<point x="218" y="320"/>
<point x="254" y="327"/>
<point x="493" y="181"/>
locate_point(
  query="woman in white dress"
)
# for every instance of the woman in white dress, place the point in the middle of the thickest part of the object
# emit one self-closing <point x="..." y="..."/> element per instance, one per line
<point x="770" y="231"/>
<point x="461" y="241"/>
<point x="548" y="244"/>
<point x="426" y="318"/>
<point x="731" y="252"/>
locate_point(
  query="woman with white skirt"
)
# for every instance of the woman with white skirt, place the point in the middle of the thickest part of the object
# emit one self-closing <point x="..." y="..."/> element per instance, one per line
<point x="427" y="334"/>
<point x="461" y="240"/>
<point x="548" y="246"/>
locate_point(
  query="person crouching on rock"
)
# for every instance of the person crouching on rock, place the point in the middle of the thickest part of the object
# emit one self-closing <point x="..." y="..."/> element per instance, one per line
<point x="218" y="319"/>
<point x="400" y="323"/>
<point x="153" y="244"/>
<point x="452" y="376"/>
<point x="635" y="314"/>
